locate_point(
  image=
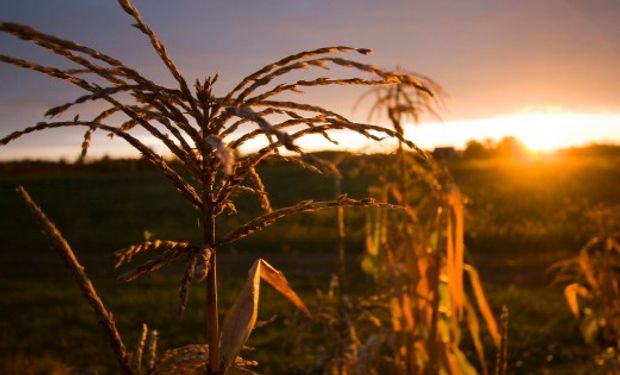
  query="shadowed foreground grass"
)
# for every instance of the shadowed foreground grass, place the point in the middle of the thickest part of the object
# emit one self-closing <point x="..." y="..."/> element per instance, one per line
<point x="523" y="215"/>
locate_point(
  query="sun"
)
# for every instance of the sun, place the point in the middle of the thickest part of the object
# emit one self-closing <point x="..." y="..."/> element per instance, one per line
<point x="548" y="131"/>
<point x="540" y="131"/>
<point x="543" y="132"/>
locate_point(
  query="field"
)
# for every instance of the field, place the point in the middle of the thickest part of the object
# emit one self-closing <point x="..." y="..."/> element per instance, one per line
<point x="522" y="215"/>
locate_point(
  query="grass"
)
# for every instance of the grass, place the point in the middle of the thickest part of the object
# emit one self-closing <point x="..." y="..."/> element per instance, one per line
<point x="102" y="207"/>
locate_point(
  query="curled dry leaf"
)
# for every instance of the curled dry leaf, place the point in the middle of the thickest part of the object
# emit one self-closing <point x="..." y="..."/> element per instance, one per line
<point x="586" y="267"/>
<point x="572" y="293"/>
<point x="241" y="317"/>
<point x="482" y="303"/>
<point x="474" y="331"/>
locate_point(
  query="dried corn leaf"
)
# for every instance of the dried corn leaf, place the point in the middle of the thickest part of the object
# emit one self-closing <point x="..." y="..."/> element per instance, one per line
<point x="408" y="312"/>
<point x="455" y="249"/>
<point x="373" y="231"/>
<point x="586" y="267"/>
<point x="277" y="280"/>
<point x="572" y="292"/>
<point x="396" y="314"/>
<point x="474" y="331"/>
<point x="464" y="367"/>
<point x="482" y="303"/>
<point x="447" y="361"/>
<point x="241" y="317"/>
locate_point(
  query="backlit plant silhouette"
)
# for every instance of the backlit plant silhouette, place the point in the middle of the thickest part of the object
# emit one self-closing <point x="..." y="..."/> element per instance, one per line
<point x="205" y="132"/>
<point x="593" y="290"/>
<point x="425" y="291"/>
<point x="416" y="256"/>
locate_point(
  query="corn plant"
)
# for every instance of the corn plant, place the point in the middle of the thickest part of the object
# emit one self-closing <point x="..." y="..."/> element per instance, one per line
<point x="337" y="311"/>
<point x="402" y="103"/>
<point x="205" y="132"/>
<point x="416" y="258"/>
<point x="418" y="255"/>
<point x="592" y="288"/>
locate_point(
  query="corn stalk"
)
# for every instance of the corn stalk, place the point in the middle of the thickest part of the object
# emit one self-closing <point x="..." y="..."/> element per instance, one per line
<point x="419" y="255"/>
<point x="205" y="131"/>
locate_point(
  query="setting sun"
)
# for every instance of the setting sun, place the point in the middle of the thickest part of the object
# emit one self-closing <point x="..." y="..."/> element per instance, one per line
<point x="551" y="131"/>
<point x="539" y="131"/>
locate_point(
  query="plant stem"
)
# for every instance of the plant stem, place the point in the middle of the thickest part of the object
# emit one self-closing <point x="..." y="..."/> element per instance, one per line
<point x="433" y="365"/>
<point x="403" y="174"/>
<point x="208" y="231"/>
<point x="502" y="354"/>
<point x="342" y="329"/>
<point x="341" y="236"/>
<point x="212" y="319"/>
<point x="104" y="316"/>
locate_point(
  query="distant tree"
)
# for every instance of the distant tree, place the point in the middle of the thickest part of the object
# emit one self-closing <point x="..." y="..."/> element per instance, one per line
<point x="510" y="147"/>
<point x="475" y="150"/>
<point x="605" y="150"/>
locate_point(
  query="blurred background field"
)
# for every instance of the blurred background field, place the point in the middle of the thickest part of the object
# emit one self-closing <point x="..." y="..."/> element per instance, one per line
<point x="524" y="212"/>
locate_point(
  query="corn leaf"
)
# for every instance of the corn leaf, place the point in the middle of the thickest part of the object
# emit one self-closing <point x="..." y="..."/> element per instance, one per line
<point x="482" y="303"/>
<point x="465" y="368"/>
<point x="586" y="267"/>
<point x="241" y="317"/>
<point x="572" y="292"/>
<point x="474" y="331"/>
<point x="277" y="281"/>
<point x="447" y="360"/>
<point x="455" y="249"/>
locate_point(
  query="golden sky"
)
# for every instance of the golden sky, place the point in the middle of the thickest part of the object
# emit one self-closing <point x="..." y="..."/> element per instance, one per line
<point x="546" y="71"/>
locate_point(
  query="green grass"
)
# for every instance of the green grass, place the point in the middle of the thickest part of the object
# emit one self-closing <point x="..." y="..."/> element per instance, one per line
<point x="523" y="215"/>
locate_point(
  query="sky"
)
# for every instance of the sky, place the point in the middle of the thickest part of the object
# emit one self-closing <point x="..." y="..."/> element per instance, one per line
<point x="546" y="71"/>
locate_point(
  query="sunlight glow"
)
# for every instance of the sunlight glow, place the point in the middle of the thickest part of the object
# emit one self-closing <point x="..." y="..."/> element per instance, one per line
<point x="540" y="131"/>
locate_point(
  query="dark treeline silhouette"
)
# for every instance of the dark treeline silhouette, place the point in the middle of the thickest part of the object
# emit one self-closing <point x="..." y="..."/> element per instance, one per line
<point x="593" y="150"/>
<point x="104" y="164"/>
<point x="508" y="147"/>
<point x="511" y="147"/>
